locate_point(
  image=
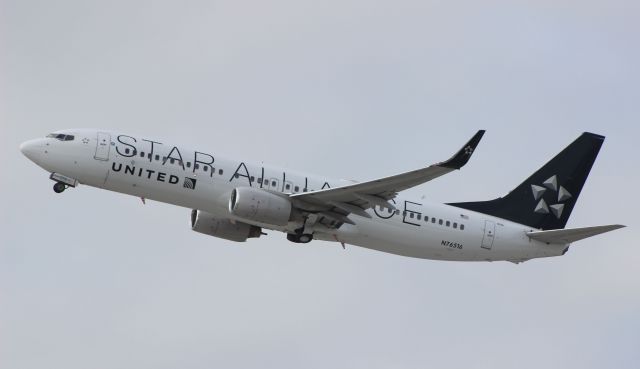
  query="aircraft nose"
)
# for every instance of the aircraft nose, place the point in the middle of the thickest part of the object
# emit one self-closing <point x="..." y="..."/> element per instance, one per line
<point x="31" y="149"/>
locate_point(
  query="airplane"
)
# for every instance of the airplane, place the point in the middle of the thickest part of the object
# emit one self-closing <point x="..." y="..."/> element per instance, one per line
<point x="236" y="200"/>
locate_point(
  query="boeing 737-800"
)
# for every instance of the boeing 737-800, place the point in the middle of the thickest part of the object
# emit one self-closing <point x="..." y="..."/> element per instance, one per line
<point x="236" y="200"/>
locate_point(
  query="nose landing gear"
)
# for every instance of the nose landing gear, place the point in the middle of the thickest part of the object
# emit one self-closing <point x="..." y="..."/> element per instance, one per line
<point x="59" y="187"/>
<point x="62" y="182"/>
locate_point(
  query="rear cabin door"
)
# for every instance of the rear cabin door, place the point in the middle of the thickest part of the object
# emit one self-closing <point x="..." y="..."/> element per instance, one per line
<point x="489" y="234"/>
<point x="103" y="146"/>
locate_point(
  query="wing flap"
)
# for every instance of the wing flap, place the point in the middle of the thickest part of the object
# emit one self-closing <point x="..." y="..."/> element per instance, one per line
<point x="565" y="236"/>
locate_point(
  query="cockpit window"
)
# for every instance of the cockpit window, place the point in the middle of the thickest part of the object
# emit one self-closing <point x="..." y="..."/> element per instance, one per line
<point x="61" y="137"/>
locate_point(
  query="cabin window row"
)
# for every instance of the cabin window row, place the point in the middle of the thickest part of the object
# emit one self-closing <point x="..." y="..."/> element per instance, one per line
<point x="433" y="220"/>
<point x="427" y="219"/>
<point x="164" y="159"/>
<point x="174" y="161"/>
<point x="266" y="183"/>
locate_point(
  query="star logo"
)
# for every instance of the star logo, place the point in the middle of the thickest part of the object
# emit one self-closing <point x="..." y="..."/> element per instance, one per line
<point x="551" y="185"/>
<point x="468" y="150"/>
<point x="85" y="140"/>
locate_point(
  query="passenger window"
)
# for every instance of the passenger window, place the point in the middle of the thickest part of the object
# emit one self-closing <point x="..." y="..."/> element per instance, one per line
<point x="188" y="164"/>
<point x="149" y="156"/>
<point x="288" y="186"/>
<point x="237" y="175"/>
<point x="297" y="189"/>
<point x="448" y="223"/>
<point x="273" y="183"/>
<point x="397" y="212"/>
<point x="142" y="154"/>
<point x="220" y="171"/>
<point x="389" y="211"/>
<point x="253" y="179"/>
<point x="259" y="180"/>
<point x="440" y="222"/>
<point x="433" y="220"/>
<point x="462" y="227"/>
<point x="206" y="168"/>
<point x="411" y="215"/>
<point x="455" y="225"/>
<point x="164" y="159"/>
<point x="126" y="151"/>
<point x="404" y="213"/>
<point x="419" y="216"/>
<point x="157" y="157"/>
<point x="197" y="166"/>
<point x="69" y="138"/>
<point x="172" y="160"/>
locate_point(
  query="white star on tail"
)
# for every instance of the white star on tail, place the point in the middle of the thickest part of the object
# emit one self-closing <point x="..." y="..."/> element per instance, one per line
<point x="541" y="205"/>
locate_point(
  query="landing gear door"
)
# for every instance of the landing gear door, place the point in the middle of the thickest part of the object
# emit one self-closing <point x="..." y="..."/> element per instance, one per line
<point x="103" y="146"/>
<point x="489" y="234"/>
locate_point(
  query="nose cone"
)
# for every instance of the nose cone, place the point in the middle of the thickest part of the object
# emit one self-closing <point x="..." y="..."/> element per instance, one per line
<point x="31" y="149"/>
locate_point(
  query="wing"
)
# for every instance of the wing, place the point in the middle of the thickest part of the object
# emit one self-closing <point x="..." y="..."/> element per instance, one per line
<point x="337" y="203"/>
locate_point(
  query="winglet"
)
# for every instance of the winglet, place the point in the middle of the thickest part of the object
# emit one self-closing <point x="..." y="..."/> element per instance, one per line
<point x="462" y="157"/>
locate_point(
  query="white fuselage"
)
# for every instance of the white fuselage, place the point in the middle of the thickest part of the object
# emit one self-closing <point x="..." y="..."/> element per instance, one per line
<point x="157" y="170"/>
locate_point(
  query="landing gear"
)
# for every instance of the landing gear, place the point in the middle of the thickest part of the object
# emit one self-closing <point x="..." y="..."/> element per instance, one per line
<point x="305" y="233"/>
<point x="62" y="182"/>
<point x="59" y="187"/>
<point x="305" y="238"/>
<point x="299" y="238"/>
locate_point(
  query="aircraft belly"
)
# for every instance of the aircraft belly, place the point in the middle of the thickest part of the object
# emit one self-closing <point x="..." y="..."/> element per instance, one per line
<point x="433" y="242"/>
<point x="405" y="240"/>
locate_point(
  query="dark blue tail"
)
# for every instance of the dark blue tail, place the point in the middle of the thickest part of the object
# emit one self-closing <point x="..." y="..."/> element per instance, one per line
<point x="545" y="200"/>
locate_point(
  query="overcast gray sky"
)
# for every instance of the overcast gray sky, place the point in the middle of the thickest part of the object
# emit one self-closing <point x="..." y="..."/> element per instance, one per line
<point x="351" y="89"/>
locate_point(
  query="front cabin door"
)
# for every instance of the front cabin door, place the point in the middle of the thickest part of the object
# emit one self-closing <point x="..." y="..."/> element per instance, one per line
<point x="102" y="146"/>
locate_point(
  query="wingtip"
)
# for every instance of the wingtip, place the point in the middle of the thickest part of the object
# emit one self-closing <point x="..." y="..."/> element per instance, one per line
<point x="461" y="158"/>
<point x="594" y="135"/>
<point x="478" y="136"/>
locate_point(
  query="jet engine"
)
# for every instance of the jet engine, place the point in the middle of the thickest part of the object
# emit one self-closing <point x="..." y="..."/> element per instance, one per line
<point x="260" y="206"/>
<point x="206" y="223"/>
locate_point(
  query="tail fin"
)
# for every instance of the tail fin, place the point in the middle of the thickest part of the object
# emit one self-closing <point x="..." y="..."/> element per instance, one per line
<point x="545" y="200"/>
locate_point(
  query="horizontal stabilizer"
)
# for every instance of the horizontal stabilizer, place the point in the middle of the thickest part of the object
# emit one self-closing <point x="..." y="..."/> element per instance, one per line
<point x="564" y="236"/>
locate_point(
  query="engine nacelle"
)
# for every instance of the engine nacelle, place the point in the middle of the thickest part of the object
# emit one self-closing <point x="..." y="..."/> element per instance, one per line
<point x="260" y="206"/>
<point x="223" y="228"/>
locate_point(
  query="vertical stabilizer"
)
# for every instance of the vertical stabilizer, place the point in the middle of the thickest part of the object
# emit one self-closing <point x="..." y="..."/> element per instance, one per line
<point x="545" y="200"/>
